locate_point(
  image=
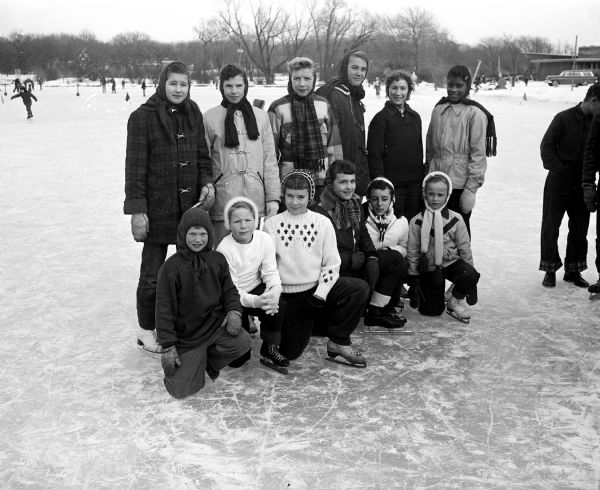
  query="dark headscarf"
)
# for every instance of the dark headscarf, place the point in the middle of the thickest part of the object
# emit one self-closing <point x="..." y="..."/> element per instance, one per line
<point x="195" y="217"/>
<point x="342" y="78"/>
<point x="307" y="143"/>
<point x="162" y="105"/>
<point x="231" y="135"/>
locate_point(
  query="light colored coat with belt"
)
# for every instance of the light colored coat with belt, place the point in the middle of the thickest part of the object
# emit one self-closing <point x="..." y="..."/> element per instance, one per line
<point x="456" y="144"/>
<point x="248" y="170"/>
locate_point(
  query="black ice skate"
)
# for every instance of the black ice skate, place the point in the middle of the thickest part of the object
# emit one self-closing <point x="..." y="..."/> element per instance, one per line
<point x="351" y="357"/>
<point x="594" y="291"/>
<point x="273" y="359"/>
<point x="384" y="320"/>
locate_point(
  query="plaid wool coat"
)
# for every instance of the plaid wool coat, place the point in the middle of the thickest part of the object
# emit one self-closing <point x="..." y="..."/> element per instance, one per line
<point x="164" y="173"/>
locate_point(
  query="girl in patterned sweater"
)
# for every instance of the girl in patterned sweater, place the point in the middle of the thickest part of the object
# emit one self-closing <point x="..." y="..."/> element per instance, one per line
<point x="309" y="263"/>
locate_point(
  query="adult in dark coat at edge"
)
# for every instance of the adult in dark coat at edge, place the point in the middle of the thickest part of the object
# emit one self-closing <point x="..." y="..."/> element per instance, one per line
<point x="345" y="93"/>
<point x="167" y="171"/>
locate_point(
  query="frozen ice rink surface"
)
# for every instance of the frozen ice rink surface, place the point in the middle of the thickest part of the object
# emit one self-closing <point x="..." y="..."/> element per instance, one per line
<point x="509" y="401"/>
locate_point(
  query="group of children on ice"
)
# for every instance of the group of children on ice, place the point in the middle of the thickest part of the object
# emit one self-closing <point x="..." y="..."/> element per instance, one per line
<point x="288" y="216"/>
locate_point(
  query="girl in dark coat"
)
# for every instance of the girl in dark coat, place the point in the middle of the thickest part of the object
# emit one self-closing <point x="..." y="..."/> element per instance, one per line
<point x="167" y="171"/>
<point x="26" y="96"/>
<point x="395" y="145"/>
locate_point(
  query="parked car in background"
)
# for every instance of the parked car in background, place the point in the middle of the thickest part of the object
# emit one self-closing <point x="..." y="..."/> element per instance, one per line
<point x="575" y="77"/>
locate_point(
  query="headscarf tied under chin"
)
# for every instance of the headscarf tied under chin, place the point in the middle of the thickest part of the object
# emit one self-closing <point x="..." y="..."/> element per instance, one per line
<point x="307" y="142"/>
<point x="161" y="104"/>
<point x="433" y="218"/>
<point x="231" y="134"/>
<point x="386" y="219"/>
<point x="357" y="92"/>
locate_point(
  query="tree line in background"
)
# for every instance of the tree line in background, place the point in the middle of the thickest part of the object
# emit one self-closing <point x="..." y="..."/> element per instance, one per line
<point x="264" y="36"/>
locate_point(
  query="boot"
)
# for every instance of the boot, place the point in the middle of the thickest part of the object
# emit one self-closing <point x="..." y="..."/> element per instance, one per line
<point x="575" y="278"/>
<point x="380" y="317"/>
<point x="147" y="339"/>
<point x="457" y="309"/>
<point x="353" y="357"/>
<point x="271" y="353"/>
<point x="549" y="280"/>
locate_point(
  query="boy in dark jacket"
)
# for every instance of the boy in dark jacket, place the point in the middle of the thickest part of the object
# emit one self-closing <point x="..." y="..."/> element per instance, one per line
<point x="345" y="93"/>
<point x="358" y="254"/>
<point x="167" y="171"/>
<point x="26" y="96"/>
<point x="562" y="155"/>
<point x="591" y="166"/>
<point x="198" y="309"/>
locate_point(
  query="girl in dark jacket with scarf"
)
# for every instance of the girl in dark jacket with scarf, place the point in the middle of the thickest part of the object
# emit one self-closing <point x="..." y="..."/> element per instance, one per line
<point x="395" y="145"/>
<point x="167" y="171"/>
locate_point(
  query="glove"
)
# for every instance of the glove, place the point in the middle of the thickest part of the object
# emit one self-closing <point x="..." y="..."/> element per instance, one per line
<point x="357" y="261"/>
<point x="415" y="293"/>
<point x="207" y="197"/>
<point x="233" y="322"/>
<point x="139" y="226"/>
<point x="315" y="304"/>
<point x="272" y="208"/>
<point x="589" y="197"/>
<point x="169" y="359"/>
<point x="467" y="201"/>
<point x="372" y="272"/>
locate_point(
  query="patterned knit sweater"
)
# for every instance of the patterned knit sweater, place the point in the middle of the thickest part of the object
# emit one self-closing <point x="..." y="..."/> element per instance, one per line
<point x="306" y="249"/>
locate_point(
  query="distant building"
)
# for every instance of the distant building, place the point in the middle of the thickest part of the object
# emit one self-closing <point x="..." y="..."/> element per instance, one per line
<point x="543" y="64"/>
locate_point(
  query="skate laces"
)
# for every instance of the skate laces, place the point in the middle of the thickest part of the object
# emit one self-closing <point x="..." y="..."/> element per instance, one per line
<point x="274" y="352"/>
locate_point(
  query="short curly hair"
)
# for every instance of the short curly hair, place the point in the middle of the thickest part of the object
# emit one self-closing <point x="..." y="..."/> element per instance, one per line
<point x="396" y="76"/>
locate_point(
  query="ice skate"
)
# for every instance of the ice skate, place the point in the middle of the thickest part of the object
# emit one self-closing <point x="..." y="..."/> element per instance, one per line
<point x="351" y="356"/>
<point x="575" y="278"/>
<point x="147" y="340"/>
<point x="456" y="309"/>
<point x="273" y="359"/>
<point x="384" y="320"/>
<point x="549" y="280"/>
<point x="594" y="291"/>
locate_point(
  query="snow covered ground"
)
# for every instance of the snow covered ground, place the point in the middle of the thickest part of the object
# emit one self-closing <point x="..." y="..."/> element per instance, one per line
<point x="509" y="401"/>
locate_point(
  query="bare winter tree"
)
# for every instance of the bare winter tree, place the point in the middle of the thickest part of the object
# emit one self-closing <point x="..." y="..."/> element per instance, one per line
<point x="212" y="36"/>
<point x="337" y="29"/>
<point x="262" y="37"/>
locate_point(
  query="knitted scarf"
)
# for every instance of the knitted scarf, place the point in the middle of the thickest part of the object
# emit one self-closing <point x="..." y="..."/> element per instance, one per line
<point x="163" y="107"/>
<point x="307" y="143"/>
<point x="491" y="141"/>
<point x="345" y="214"/>
<point x="231" y="134"/>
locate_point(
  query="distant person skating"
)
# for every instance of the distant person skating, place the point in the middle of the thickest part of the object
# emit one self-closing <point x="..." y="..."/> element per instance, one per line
<point x="167" y="171"/>
<point x="123" y="83"/>
<point x="103" y="84"/>
<point x="40" y="82"/>
<point x="114" y="86"/>
<point x="17" y="84"/>
<point x="345" y="93"/>
<point x="562" y="152"/>
<point x="144" y="88"/>
<point x="461" y="135"/>
<point x="26" y="97"/>
<point x="198" y="310"/>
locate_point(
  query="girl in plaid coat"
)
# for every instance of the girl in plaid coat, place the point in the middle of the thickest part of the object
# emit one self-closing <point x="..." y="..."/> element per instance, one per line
<point x="167" y="171"/>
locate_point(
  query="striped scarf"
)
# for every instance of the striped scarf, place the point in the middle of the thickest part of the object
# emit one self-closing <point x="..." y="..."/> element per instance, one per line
<point x="345" y="214"/>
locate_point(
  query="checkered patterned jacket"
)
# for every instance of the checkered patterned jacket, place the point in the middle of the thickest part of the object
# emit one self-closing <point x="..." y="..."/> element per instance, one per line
<point x="164" y="176"/>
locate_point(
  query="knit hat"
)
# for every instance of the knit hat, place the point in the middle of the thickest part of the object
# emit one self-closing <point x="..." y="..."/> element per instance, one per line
<point x="303" y="174"/>
<point x="236" y="200"/>
<point x="194" y="217"/>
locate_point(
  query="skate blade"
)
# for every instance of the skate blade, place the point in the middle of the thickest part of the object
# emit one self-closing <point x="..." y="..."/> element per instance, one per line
<point x="346" y="363"/>
<point x="594" y="296"/>
<point x="382" y="330"/>
<point x="280" y="370"/>
<point x="462" y="320"/>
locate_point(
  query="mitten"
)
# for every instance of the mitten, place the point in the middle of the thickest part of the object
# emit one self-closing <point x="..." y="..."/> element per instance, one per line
<point x="357" y="261"/>
<point x="232" y="322"/>
<point x="423" y="266"/>
<point x="467" y="201"/>
<point x="207" y="197"/>
<point x="415" y="293"/>
<point x="589" y="197"/>
<point x="437" y="277"/>
<point x="169" y="359"/>
<point x="139" y="226"/>
<point x="372" y="272"/>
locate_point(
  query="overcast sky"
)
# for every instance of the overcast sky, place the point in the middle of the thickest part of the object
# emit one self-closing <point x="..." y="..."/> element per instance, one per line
<point x="173" y="20"/>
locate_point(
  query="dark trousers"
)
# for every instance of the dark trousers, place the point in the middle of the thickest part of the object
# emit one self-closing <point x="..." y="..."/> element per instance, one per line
<point x="270" y="325"/>
<point x="560" y="197"/>
<point x="598" y="238"/>
<point x="393" y="270"/>
<point x="462" y="274"/>
<point x="153" y="257"/>
<point x="337" y="319"/>
<point x="454" y="205"/>
<point x="408" y="200"/>
<point x="29" y="113"/>
<point x="217" y="352"/>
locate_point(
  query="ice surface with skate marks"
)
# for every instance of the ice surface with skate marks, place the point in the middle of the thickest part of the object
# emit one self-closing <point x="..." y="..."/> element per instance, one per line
<point x="507" y="401"/>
